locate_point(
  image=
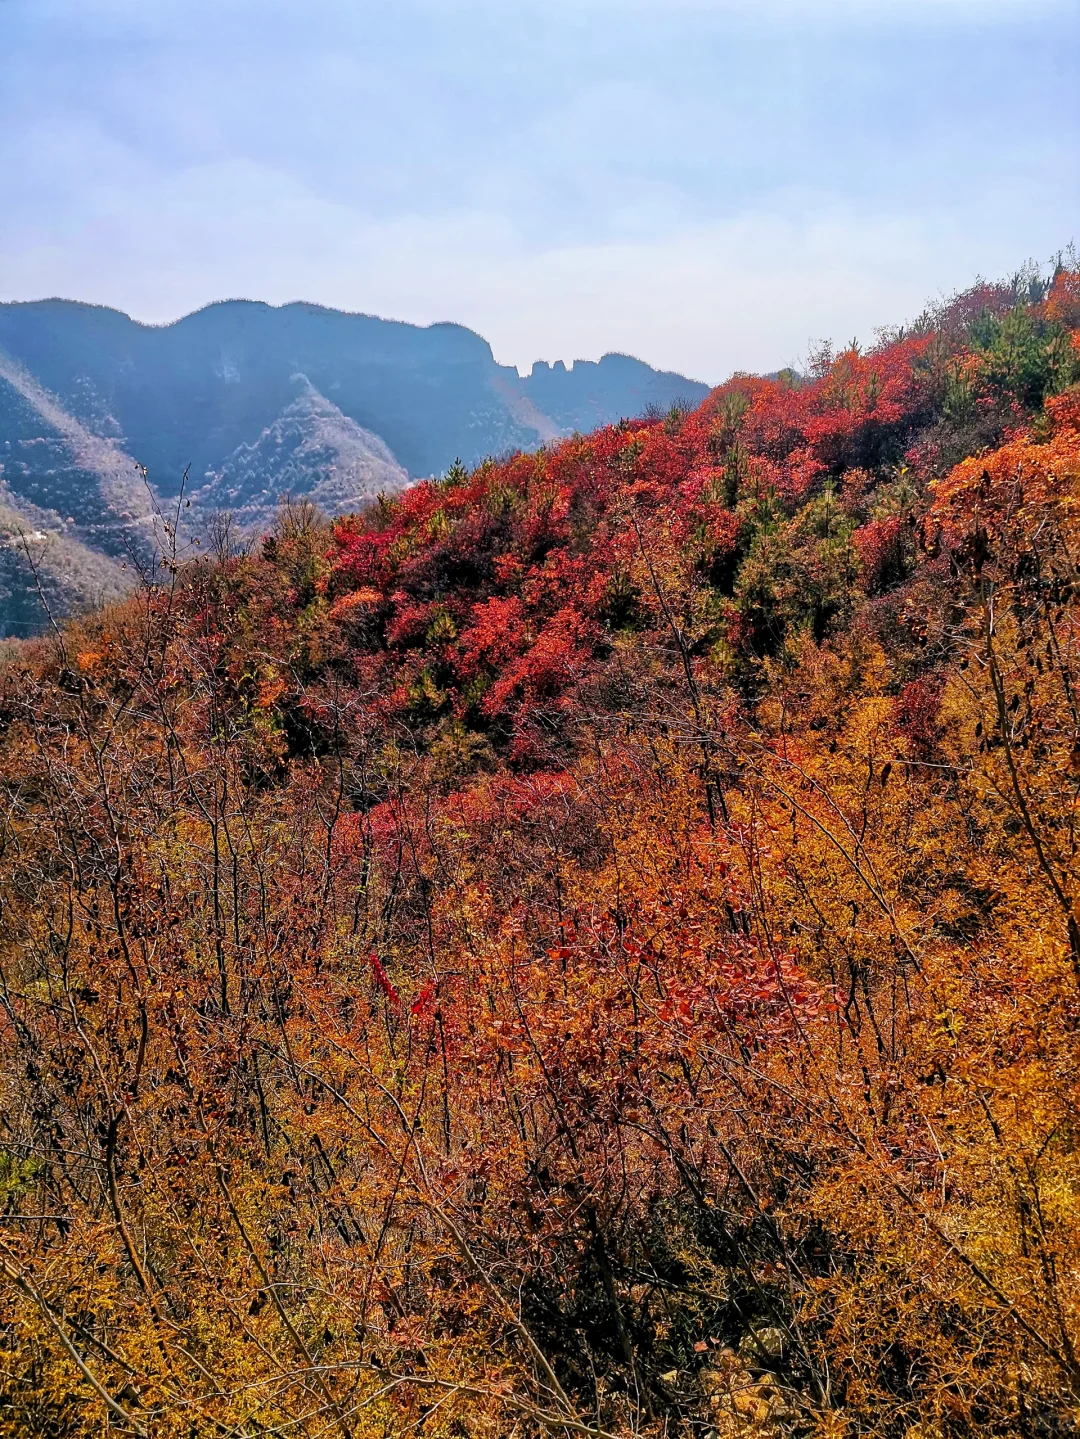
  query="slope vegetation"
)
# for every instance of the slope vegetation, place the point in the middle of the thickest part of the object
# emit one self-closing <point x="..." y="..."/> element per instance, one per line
<point x="588" y="946"/>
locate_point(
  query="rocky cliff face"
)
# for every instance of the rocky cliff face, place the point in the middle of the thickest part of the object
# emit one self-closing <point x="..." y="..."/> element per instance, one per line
<point x="311" y="449"/>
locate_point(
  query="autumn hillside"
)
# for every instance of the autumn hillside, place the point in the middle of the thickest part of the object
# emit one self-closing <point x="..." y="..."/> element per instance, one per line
<point x="587" y="947"/>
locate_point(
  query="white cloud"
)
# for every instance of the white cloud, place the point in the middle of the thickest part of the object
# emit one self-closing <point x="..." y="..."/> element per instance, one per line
<point x="621" y="189"/>
<point x="748" y="292"/>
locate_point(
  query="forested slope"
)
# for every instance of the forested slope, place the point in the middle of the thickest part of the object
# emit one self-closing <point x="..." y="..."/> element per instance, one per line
<point x="589" y="946"/>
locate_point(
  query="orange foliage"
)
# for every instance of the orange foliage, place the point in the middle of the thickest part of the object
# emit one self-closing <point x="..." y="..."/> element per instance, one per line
<point x="587" y="949"/>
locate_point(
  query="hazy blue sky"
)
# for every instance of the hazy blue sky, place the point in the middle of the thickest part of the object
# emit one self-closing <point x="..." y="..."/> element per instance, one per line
<point x="708" y="184"/>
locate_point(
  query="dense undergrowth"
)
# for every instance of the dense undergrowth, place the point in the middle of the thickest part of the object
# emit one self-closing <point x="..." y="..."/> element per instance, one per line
<point x="589" y="947"/>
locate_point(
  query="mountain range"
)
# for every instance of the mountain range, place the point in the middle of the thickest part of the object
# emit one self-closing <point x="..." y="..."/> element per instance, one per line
<point x="105" y="421"/>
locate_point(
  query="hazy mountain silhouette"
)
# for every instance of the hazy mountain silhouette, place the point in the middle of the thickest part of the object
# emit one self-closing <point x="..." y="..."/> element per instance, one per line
<point x="252" y="401"/>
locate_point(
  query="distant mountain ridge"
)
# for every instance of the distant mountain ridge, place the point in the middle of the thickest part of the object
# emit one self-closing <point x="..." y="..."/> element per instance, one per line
<point x="249" y="401"/>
